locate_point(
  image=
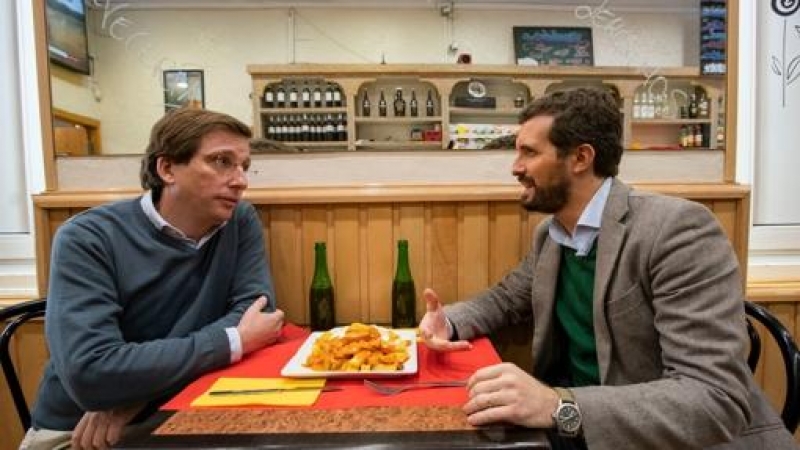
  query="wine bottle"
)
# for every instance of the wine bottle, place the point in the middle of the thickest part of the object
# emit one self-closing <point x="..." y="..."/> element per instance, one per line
<point x="692" y="107"/>
<point x="382" y="105"/>
<point x="337" y="96"/>
<point x="317" y="95"/>
<point x="280" y="96"/>
<point x="305" y="95"/>
<point x="305" y="130"/>
<point x="366" y="107"/>
<point x="429" y="108"/>
<point x="412" y="105"/>
<point x="328" y="96"/>
<point x="399" y="103"/>
<point x="269" y="97"/>
<point x="341" y="128"/>
<point x="404" y="297"/>
<point x="322" y="312"/>
<point x="293" y="96"/>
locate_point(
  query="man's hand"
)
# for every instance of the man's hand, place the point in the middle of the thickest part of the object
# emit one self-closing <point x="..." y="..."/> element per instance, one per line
<point x="259" y="329"/>
<point x="102" y="429"/>
<point x="506" y="393"/>
<point x="433" y="326"/>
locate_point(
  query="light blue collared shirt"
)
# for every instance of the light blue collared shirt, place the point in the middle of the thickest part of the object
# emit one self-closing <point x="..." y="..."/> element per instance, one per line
<point x="158" y="221"/>
<point x="588" y="226"/>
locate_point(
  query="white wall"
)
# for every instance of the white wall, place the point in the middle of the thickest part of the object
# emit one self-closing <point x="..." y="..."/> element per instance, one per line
<point x="774" y="250"/>
<point x="129" y="59"/>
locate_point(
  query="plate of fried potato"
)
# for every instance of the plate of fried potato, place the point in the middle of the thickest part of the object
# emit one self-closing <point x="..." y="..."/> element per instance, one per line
<point x="355" y="351"/>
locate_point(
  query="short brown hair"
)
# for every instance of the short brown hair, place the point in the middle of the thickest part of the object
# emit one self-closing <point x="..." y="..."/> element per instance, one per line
<point x="176" y="137"/>
<point x="583" y="116"/>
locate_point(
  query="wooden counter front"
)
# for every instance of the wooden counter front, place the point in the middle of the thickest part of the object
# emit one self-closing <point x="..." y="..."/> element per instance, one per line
<point x="462" y="238"/>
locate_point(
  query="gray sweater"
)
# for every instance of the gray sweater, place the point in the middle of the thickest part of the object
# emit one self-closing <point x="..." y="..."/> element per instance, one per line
<point x="134" y="315"/>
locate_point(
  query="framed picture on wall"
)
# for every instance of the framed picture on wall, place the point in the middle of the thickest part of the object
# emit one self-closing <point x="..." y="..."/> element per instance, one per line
<point x="183" y="88"/>
<point x="553" y="46"/>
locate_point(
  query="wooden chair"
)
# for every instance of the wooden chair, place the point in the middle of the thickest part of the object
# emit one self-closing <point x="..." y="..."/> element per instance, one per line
<point x="791" y="358"/>
<point x="17" y="315"/>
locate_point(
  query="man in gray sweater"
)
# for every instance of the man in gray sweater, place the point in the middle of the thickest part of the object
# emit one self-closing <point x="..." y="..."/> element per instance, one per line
<point x="148" y="294"/>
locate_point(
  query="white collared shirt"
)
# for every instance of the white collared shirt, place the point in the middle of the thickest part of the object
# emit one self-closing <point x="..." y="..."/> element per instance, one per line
<point x="162" y="225"/>
<point x="588" y="226"/>
<point x="158" y="221"/>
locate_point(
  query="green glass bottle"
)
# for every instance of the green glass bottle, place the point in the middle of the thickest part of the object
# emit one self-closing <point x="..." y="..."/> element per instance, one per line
<point x="320" y="297"/>
<point x="404" y="297"/>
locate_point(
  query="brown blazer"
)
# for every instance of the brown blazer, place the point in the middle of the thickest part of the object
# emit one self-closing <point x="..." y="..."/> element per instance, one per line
<point x="668" y="322"/>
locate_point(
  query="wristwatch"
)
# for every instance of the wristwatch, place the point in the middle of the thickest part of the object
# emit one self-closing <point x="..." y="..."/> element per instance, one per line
<point x="567" y="415"/>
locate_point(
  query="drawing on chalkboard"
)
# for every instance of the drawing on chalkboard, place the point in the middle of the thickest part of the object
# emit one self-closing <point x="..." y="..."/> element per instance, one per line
<point x="791" y="70"/>
<point x="553" y="46"/>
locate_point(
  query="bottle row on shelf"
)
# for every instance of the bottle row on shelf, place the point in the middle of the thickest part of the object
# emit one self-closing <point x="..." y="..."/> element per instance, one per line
<point x="306" y="127"/>
<point x="693" y="136"/>
<point x="302" y="94"/>
<point x="398" y="105"/>
<point x="647" y="105"/>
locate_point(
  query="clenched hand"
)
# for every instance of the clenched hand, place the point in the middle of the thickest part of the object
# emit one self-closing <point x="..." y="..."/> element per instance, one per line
<point x="99" y="430"/>
<point x="259" y="329"/>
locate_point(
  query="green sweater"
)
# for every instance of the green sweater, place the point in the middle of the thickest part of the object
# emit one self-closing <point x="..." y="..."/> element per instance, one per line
<point x="574" y="312"/>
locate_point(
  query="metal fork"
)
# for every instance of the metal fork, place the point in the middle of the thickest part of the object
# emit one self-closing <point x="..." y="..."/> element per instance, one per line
<point x="396" y="389"/>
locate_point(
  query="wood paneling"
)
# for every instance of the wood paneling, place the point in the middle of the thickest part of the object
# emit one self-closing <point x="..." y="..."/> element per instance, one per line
<point x="461" y="239"/>
<point x="29" y="353"/>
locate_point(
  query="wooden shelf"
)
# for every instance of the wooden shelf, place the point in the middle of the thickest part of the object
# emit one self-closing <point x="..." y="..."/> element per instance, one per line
<point x="332" y="110"/>
<point x="399" y="145"/>
<point x="670" y="121"/>
<point x="398" y="120"/>
<point x="499" y="112"/>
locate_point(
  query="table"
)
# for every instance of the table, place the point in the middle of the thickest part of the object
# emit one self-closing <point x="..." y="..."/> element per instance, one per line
<point x="352" y="418"/>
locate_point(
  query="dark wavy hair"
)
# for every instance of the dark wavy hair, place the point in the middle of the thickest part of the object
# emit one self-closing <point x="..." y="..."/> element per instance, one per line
<point x="583" y="116"/>
<point x="177" y="136"/>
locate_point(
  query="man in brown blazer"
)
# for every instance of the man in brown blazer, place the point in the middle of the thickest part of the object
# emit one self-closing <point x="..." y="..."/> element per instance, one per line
<point x="635" y="299"/>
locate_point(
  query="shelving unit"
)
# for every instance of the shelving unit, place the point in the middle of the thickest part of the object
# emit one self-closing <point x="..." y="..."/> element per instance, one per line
<point x="449" y="88"/>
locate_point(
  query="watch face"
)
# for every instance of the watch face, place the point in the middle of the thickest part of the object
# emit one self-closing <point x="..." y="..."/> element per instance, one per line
<point x="568" y="418"/>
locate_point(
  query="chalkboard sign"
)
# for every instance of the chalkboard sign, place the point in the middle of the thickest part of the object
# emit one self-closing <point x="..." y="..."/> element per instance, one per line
<point x="554" y="46"/>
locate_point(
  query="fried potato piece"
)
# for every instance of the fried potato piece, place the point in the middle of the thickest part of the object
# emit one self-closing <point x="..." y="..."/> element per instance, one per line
<point x="361" y="348"/>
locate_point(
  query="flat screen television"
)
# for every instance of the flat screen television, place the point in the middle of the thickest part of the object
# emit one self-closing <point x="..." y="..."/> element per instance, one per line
<point x="67" y="39"/>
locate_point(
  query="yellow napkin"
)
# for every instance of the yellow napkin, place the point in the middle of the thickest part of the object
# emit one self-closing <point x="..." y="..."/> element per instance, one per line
<point x="283" y="398"/>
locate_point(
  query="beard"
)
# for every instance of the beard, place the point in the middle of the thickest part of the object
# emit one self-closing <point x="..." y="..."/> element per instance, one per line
<point x="548" y="199"/>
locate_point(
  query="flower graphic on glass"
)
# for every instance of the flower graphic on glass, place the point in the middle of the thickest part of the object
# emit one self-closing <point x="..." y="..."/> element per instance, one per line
<point x="788" y="71"/>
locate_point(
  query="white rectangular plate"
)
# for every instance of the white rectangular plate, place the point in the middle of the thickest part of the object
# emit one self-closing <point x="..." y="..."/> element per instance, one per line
<point x="295" y="368"/>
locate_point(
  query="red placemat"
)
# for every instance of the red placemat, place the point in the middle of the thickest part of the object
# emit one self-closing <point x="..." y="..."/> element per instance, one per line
<point x="268" y="362"/>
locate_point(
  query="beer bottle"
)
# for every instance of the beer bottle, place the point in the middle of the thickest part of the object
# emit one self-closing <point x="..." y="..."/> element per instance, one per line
<point x="365" y="105"/>
<point x="413" y="106"/>
<point x="399" y="103"/>
<point x="429" y="107"/>
<point x="404" y="298"/>
<point x="320" y="297"/>
<point x="382" y="105"/>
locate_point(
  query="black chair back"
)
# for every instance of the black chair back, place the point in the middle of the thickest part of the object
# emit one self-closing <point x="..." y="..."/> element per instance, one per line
<point x="791" y="358"/>
<point x="16" y="315"/>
